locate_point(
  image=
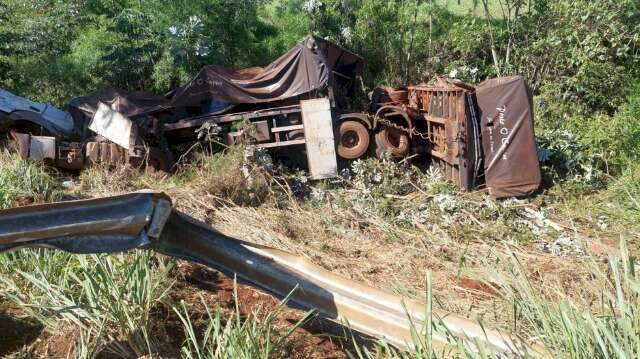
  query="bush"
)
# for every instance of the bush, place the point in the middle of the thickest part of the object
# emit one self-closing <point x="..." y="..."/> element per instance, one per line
<point x="583" y="145"/>
<point x="238" y="174"/>
<point x="627" y="190"/>
<point x="586" y="49"/>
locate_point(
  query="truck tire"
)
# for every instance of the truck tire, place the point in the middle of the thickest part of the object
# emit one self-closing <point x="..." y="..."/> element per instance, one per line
<point x="353" y="140"/>
<point x="394" y="140"/>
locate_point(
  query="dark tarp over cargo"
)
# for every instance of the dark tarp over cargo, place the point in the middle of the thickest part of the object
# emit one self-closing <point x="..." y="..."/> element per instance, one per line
<point x="130" y="104"/>
<point x="508" y="140"/>
<point x="304" y="69"/>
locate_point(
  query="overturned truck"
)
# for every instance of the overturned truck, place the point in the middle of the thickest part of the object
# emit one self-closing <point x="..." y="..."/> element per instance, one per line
<point x="474" y="136"/>
<point x="72" y="141"/>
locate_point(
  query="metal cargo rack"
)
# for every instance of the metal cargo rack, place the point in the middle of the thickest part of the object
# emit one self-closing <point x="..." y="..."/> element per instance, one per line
<point x="451" y="128"/>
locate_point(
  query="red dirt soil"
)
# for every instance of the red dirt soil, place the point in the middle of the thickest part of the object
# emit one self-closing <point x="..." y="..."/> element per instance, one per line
<point x="219" y="290"/>
<point x="194" y="283"/>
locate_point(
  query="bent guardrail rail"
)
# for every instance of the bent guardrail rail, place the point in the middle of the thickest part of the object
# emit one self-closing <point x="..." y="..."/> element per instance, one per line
<point x="147" y="220"/>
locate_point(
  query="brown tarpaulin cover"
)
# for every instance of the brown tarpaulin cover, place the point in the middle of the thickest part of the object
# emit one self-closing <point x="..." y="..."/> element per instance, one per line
<point x="508" y="140"/>
<point x="130" y="104"/>
<point x="304" y="69"/>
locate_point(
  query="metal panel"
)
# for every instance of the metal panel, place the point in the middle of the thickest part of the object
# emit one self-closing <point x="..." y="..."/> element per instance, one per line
<point x="42" y="147"/>
<point x="93" y="152"/>
<point x="112" y="125"/>
<point x="318" y="134"/>
<point x="450" y="132"/>
<point x="21" y="143"/>
<point x="57" y="118"/>
<point x="146" y="219"/>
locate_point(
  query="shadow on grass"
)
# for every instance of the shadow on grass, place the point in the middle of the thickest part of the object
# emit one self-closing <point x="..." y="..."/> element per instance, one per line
<point x="15" y="332"/>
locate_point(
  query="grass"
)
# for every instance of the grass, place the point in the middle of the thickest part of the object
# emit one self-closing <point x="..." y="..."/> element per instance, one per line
<point x="605" y="328"/>
<point x="386" y="224"/>
<point x="25" y="180"/>
<point x="471" y="7"/>
<point x="234" y="336"/>
<point x="107" y="298"/>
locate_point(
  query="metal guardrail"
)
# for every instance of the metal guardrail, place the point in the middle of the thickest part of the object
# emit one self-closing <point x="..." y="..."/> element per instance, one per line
<point x="147" y="220"/>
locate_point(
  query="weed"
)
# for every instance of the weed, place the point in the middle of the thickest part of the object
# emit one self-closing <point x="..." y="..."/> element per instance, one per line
<point x="21" y="179"/>
<point x="106" y="297"/>
<point x="235" y="336"/>
<point x="236" y="175"/>
<point x="606" y="328"/>
<point x="627" y="190"/>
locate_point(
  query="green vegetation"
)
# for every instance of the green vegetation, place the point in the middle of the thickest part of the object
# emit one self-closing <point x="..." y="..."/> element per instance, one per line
<point x="533" y="267"/>
<point x="27" y="181"/>
<point x="120" y="305"/>
<point x="132" y="304"/>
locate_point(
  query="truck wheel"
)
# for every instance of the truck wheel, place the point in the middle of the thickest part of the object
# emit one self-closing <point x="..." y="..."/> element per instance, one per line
<point x="394" y="140"/>
<point x="353" y="140"/>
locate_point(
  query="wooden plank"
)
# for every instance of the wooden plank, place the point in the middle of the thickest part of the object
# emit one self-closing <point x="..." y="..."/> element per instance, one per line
<point x="281" y="143"/>
<point x="287" y="128"/>
<point x="320" y="144"/>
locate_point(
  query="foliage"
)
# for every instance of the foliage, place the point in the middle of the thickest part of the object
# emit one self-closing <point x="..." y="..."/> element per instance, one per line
<point x="20" y="179"/>
<point x="576" y="54"/>
<point x="113" y="301"/>
<point x="587" y="49"/>
<point x="581" y="58"/>
<point x="627" y="190"/>
<point x="585" y="145"/>
<point x="605" y="329"/>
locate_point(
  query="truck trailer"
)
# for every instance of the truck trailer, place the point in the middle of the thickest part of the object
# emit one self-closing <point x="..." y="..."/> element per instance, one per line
<point x="302" y="101"/>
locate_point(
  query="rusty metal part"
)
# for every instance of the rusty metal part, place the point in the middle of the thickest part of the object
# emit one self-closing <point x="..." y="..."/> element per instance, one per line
<point x="360" y="117"/>
<point x="393" y="114"/>
<point x="398" y="95"/>
<point x="449" y="130"/>
<point x="394" y="140"/>
<point x="353" y="140"/>
<point x="70" y="156"/>
<point x="146" y="219"/>
<point x="105" y="153"/>
<point x="382" y="96"/>
<point x="20" y="143"/>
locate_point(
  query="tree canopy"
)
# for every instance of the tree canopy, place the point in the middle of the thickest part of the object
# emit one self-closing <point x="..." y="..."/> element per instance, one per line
<point x="583" y="53"/>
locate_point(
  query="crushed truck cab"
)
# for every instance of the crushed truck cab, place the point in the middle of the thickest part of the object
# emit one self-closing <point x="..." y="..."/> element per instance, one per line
<point x="70" y="140"/>
<point x="15" y="109"/>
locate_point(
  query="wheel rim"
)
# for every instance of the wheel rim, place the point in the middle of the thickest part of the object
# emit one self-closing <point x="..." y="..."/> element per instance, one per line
<point x="394" y="137"/>
<point x="350" y="139"/>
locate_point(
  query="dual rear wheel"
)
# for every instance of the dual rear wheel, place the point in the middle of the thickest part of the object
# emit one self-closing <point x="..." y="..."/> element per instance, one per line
<point x="354" y="140"/>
